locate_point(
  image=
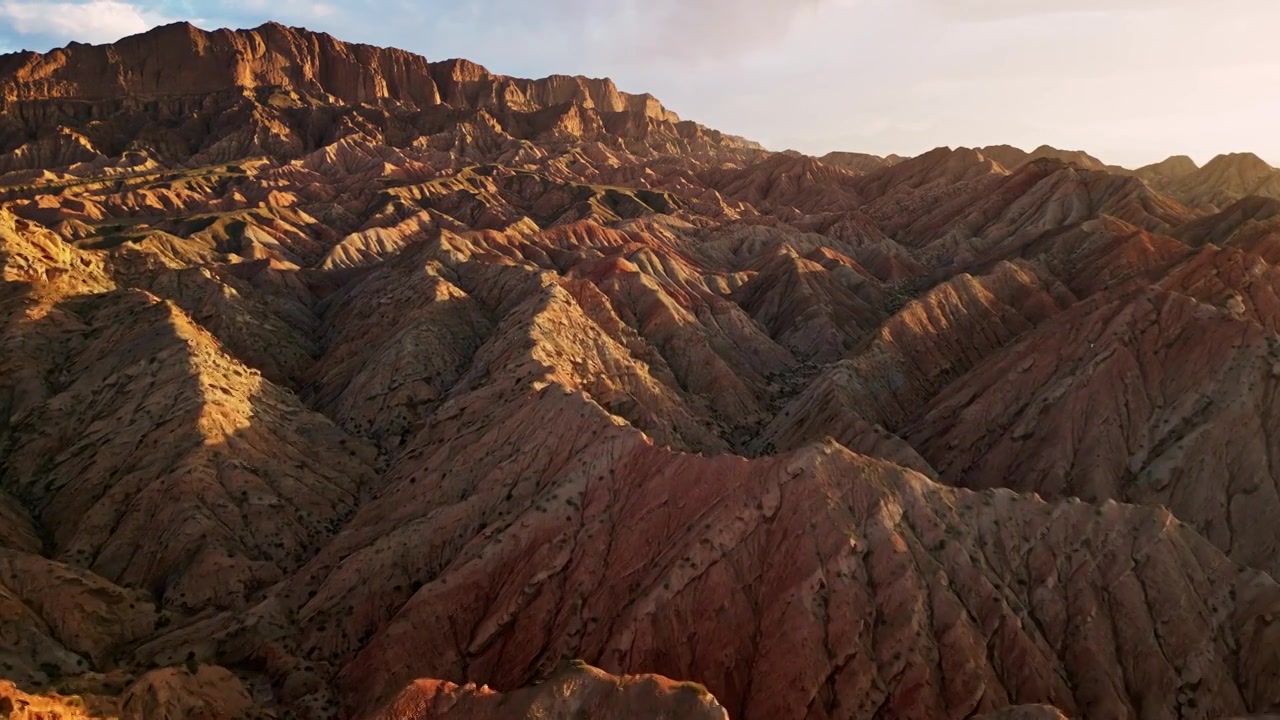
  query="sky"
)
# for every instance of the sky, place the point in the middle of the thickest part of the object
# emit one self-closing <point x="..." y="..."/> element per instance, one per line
<point x="1130" y="81"/>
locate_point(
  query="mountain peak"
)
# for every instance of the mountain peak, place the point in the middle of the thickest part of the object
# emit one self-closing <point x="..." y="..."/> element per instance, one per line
<point x="1170" y="168"/>
<point x="1227" y="178"/>
<point x="1244" y="162"/>
<point x="859" y="162"/>
<point x="283" y="91"/>
<point x="1012" y="157"/>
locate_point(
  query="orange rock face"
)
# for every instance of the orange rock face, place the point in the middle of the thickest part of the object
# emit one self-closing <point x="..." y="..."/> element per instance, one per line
<point x="575" y="692"/>
<point x="337" y="383"/>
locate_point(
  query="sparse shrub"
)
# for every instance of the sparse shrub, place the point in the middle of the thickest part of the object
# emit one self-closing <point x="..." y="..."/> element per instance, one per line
<point x="898" y="295"/>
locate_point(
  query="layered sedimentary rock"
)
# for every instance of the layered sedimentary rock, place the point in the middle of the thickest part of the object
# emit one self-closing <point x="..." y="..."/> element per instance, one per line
<point x="338" y="383"/>
<point x="182" y="60"/>
<point x="573" y="692"/>
<point x="1012" y="157"/>
<point x="1174" y="168"/>
<point x="1225" y="179"/>
<point x="184" y="95"/>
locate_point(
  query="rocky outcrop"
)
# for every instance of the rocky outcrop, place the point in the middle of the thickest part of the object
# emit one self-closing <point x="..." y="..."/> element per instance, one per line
<point x="19" y="705"/>
<point x="203" y="692"/>
<point x="574" y="692"/>
<point x="284" y="92"/>
<point x="182" y="60"/>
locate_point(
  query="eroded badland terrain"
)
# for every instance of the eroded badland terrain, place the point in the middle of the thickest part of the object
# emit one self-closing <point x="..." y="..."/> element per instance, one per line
<point x="337" y="383"/>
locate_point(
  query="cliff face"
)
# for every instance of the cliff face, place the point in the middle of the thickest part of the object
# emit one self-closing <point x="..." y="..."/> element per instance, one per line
<point x="181" y="95"/>
<point x="183" y="60"/>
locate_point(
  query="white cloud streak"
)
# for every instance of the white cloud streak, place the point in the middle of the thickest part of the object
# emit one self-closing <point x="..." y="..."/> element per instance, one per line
<point x="97" y="21"/>
<point x="657" y="32"/>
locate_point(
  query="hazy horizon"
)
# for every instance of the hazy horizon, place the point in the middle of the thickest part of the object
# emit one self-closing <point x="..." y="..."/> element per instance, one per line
<point x="1131" y="82"/>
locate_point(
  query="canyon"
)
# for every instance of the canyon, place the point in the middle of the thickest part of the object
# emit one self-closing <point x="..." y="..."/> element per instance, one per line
<point x="340" y="383"/>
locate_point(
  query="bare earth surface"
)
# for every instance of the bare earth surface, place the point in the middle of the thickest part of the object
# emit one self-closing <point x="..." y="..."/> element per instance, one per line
<point x="337" y="383"/>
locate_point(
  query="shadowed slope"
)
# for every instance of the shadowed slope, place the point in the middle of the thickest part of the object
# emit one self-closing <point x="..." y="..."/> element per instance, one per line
<point x="128" y="421"/>
<point x="1142" y="399"/>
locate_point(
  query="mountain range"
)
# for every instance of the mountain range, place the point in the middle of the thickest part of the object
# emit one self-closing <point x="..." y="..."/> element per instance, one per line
<point x="337" y="383"/>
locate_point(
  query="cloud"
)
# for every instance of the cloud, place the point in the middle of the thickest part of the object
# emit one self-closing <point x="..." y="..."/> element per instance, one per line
<point x="98" y="21"/>
<point x="637" y="31"/>
<point x="1001" y="10"/>
<point x="709" y="27"/>
<point x="292" y="10"/>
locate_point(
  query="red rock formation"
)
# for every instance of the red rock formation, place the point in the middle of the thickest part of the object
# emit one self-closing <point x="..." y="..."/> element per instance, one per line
<point x="809" y="570"/>
<point x="276" y="90"/>
<point x="936" y="169"/>
<point x="337" y="383"/>
<point x="1169" y="381"/>
<point x="19" y="705"/>
<point x="207" y="693"/>
<point x="181" y="60"/>
<point x="1251" y="224"/>
<point x="575" y="692"/>
<point x="796" y="182"/>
